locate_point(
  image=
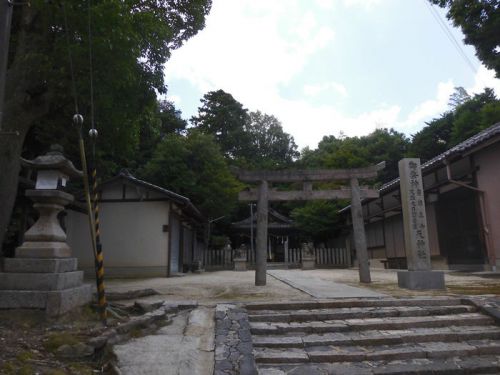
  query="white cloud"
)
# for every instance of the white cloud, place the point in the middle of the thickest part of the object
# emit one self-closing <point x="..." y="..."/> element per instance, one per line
<point x="484" y="78"/>
<point x="254" y="48"/>
<point x="244" y="46"/>
<point x="428" y="109"/>
<point x="314" y="90"/>
<point x="176" y="99"/>
<point x="366" y="4"/>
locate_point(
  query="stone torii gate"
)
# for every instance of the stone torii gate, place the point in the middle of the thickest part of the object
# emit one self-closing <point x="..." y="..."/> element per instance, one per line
<point x="263" y="195"/>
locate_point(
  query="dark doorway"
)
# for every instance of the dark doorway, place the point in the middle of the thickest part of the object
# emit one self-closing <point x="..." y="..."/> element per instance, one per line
<point x="175" y="244"/>
<point x="459" y="228"/>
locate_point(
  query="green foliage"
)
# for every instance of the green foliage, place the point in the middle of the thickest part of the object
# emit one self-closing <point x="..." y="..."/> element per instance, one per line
<point x="171" y="120"/>
<point x="433" y="139"/>
<point x="193" y="166"/>
<point x="131" y="41"/>
<point x="271" y="146"/>
<point x="317" y="219"/>
<point x="352" y="152"/>
<point x="475" y="115"/>
<point x="468" y="117"/>
<point x="226" y="120"/>
<point x="480" y="23"/>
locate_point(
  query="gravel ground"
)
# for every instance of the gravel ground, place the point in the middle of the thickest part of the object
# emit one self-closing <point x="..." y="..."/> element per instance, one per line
<point x="231" y="286"/>
<point x="211" y="288"/>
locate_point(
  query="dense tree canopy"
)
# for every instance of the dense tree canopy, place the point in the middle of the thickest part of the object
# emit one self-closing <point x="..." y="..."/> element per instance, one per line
<point x="193" y="166"/>
<point x="480" y="23"/>
<point x="225" y="118"/>
<point x="131" y="41"/>
<point x="271" y="146"/>
<point x="351" y="152"/>
<point x="465" y="119"/>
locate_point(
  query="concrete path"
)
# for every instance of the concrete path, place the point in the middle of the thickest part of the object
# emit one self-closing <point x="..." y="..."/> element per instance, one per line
<point x="185" y="347"/>
<point x="319" y="288"/>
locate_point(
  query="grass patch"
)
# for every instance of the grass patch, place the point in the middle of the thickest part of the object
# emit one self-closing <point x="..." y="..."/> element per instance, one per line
<point x="55" y="340"/>
<point x="24" y="356"/>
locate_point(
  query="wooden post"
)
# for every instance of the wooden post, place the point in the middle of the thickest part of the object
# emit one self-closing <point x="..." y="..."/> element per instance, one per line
<point x="359" y="232"/>
<point x="261" y="254"/>
<point x="286" y="250"/>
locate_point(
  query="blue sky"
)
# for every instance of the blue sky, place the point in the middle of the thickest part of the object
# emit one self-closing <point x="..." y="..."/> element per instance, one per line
<point x="327" y="67"/>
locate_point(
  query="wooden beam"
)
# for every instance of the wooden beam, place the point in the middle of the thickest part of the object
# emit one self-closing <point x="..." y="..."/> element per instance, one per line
<point x="298" y="195"/>
<point x="309" y="174"/>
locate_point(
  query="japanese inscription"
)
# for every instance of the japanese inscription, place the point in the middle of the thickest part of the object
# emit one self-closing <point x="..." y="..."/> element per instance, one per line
<point x="414" y="218"/>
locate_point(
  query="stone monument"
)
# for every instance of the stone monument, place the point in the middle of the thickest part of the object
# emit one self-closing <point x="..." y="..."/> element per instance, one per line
<point x="42" y="275"/>
<point x="308" y="258"/>
<point x="240" y="258"/>
<point x="419" y="274"/>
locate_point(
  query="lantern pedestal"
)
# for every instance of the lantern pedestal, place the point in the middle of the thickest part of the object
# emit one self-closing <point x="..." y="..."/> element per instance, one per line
<point x="46" y="239"/>
<point x="43" y="275"/>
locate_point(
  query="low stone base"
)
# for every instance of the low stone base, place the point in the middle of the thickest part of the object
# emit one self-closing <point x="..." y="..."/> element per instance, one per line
<point x="37" y="265"/>
<point x="240" y="264"/>
<point x="55" y="302"/>
<point x="421" y="280"/>
<point x="40" y="281"/>
<point x="52" y="285"/>
<point x="308" y="263"/>
<point x="43" y="250"/>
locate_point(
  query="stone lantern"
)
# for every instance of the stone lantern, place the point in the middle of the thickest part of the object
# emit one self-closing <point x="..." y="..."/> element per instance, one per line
<point x="46" y="239"/>
<point x="43" y="275"/>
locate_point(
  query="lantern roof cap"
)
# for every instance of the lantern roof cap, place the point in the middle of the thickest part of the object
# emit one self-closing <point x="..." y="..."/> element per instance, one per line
<point x="55" y="160"/>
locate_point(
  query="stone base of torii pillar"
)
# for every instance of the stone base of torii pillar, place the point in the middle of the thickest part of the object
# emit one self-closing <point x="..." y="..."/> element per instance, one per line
<point x="43" y="275"/>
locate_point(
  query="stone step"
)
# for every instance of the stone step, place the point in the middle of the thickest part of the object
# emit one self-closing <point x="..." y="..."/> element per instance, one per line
<point x="390" y="323"/>
<point x="356" y="313"/>
<point x="378" y="337"/>
<point x="484" y="364"/>
<point x="349" y="303"/>
<point x="331" y="354"/>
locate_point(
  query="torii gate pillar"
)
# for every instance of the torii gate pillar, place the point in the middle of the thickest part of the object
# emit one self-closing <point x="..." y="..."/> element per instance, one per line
<point x="263" y="195"/>
<point x="261" y="251"/>
<point x="358" y="227"/>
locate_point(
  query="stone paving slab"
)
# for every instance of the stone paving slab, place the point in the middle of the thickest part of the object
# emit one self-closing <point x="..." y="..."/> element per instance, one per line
<point x="380" y="337"/>
<point x="390" y="323"/>
<point x="233" y="342"/>
<point x="421" y="366"/>
<point x="360" y="313"/>
<point x="320" y="288"/>
<point x="187" y="345"/>
<point x="367" y="303"/>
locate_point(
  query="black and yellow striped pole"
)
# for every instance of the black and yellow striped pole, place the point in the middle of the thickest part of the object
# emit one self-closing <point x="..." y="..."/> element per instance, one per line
<point x="78" y="122"/>
<point x="99" y="259"/>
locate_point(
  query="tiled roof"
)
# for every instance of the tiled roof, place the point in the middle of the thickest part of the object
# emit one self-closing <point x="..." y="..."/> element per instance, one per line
<point x="169" y="194"/>
<point x="463" y="147"/>
<point x="467" y="145"/>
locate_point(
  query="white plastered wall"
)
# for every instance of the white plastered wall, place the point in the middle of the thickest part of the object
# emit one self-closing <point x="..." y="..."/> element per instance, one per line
<point x="132" y="236"/>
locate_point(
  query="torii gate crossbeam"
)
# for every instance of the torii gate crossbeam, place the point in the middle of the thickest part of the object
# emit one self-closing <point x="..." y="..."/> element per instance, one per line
<point x="263" y="195"/>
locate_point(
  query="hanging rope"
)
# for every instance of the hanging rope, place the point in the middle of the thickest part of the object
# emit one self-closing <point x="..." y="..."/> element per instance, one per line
<point x="91" y="67"/>
<point x="92" y="204"/>
<point x="70" y="58"/>
<point x="99" y="259"/>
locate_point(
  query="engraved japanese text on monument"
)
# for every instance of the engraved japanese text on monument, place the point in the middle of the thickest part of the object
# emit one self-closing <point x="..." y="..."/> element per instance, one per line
<point x="414" y="217"/>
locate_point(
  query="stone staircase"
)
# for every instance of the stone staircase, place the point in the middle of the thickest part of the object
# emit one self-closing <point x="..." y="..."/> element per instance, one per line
<point x="437" y="335"/>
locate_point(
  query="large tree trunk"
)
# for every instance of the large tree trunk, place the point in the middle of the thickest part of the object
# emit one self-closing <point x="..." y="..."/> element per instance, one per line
<point x="26" y="101"/>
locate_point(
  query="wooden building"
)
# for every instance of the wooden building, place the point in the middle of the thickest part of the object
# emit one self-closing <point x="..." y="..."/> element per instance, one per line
<point x="462" y="193"/>
<point x="282" y="235"/>
<point x="146" y="230"/>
